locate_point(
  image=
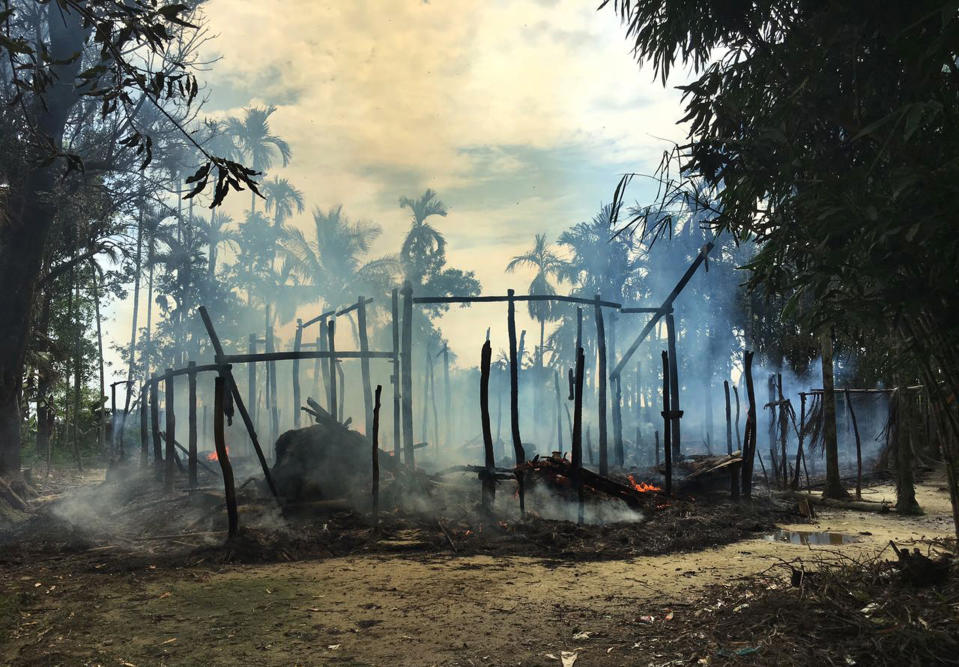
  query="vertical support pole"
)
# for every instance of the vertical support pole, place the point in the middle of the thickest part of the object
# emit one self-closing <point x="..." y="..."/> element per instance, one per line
<point x="518" y="453"/>
<point x="673" y="385"/>
<point x="739" y="442"/>
<point x="325" y="368"/>
<point x="855" y="429"/>
<point x="223" y="457"/>
<point x="559" y="413"/>
<point x="783" y="426"/>
<point x="406" y="391"/>
<point x="317" y="363"/>
<point x="331" y="335"/>
<point x="618" y="450"/>
<point x="251" y="377"/>
<point x="800" y="456"/>
<point x="365" y="367"/>
<point x="749" y="440"/>
<point x="656" y="446"/>
<point x="489" y="480"/>
<point x="729" y="421"/>
<point x="297" y="343"/>
<point x="577" y="444"/>
<point x="376" y="453"/>
<point x="667" y="424"/>
<point x="601" y="383"/>
<point x="144" y="425"/>
<point x="170" y="468"/>
<point x="274" y="399"/>
<point x="191" y="418"/>
<point x="448" y="420"/>
<point x="773" y="455"/>
<point x="113" y="422"/>
<point x="395" y="377"/>
<point x="708" y="398"/>
<point x="155" y="424"/>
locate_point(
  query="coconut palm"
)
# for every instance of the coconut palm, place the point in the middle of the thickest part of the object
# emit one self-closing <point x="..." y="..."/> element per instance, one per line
<point x="257" y="143"/>
<point x="424" y="250"/>
<point x="281" y="199"/>
<point x="547" y="263"/>
<point x="333" y="260"/>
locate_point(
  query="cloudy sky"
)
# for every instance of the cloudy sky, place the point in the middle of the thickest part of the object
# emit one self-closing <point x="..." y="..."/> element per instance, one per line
<point x="522" y="114"/>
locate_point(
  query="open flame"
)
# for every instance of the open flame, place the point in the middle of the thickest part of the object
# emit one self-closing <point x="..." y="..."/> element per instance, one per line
<point x="213" y="457"/>
<point x="642" y="487"/>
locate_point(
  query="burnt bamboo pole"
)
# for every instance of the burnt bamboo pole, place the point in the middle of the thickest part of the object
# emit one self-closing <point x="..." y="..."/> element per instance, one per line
<point x="619" y="451"/>
<point x="191" y="424"/>
<point x="855" y="430"/>
<point x="674" y="434"/>
<point x="739" y="442"/>
<point x="274" y="398"/>
<point x="559" y="413"/>
<point x="749" y="441"/>
<point x="113" y="422"/>
<point x="406" y="375"/>
<point x="667" y="423"/>
<point x="144" y="426"/>
<point x="297" y="343"/>
<point x="170" y="435"/>
<point x="489" y="481"/>
<point x="395" y="376"/>
<point x="448" y="420"/>
<point x="773" y="456"/>
<point x="155" y="424"/>
<point x="226" y="373"/>
<point x="331" y="339"/>
<point x="317" y="364"/>
<point x="424" y="432"/>
<point x="364" y="365"/>
<point x="783" y="429"/>
<point x="518" y="453"/>
<point x="325" y="368"/>
<point x="656" y="446"/>
<point x="577" y="444"/>
<point x="341" y="387"/>
<point x="223" y="457"/>
<point x="376" y="453"/>
<point x="579" y="329"/>
<point x="436" y="422"/>
<point x="729" y="421"/>
<point x="800" y="456"/>
<point x="251" y="377"/>
<point x="601" y="384"/>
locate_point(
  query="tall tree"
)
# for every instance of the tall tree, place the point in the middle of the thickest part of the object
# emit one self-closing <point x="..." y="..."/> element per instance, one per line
<point x="256" y="142"/>
<point x="546" y="263"/>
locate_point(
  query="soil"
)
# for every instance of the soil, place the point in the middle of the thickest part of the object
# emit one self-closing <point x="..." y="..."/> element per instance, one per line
<point x="461" y="589"/>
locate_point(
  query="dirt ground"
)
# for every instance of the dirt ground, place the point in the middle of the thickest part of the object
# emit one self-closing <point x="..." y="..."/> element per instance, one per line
<point x="412" y="607"/>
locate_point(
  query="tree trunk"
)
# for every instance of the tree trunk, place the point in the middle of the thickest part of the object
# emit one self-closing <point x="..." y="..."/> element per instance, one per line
<point x="834" y="487"/>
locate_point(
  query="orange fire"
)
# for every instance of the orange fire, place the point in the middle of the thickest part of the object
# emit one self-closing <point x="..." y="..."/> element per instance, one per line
<point x="213" y="457"/>
<point x="642" y="487"/>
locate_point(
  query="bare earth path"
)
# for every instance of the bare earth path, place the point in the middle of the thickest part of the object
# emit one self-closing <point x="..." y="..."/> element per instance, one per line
<point x="396" y="610"/>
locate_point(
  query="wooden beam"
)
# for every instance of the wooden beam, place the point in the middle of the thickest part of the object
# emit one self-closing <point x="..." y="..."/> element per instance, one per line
<point x="514" y="298"/>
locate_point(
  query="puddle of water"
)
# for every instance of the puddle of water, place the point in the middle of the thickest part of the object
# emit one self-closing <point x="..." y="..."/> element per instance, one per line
<point x="810" y="537"/>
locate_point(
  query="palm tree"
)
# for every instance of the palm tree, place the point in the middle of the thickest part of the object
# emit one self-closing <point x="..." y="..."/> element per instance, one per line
<point x="546" y="263"/>
<point x="257" y="143"/>
<point x="282" y="198"/>
<point x="217" y="233"/>
<point x="333" y="259"/>
<point x="424" y="249"/>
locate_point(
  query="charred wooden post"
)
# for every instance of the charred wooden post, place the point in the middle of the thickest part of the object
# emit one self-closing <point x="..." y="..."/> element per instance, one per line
<point x="448" y="419"/>
<point x="488" y="475"/>
<point x="749" y="441"/>
<point x="395" y="377"/>
<point x="667" y="423"/>
<point x="271" y="365"/>
<point x="325" y="367"/>
<point x="223" y="457"/>
<point x="113" y="421"/>
<point x="729" y="422"/>
<point x="577" y="445"/>
<point x="436" y="419"/>
<point x="170" y="435"/>
<point x="674" y="435"/>
<point x="155" y="424"/>
<point x="656" y="446"/>
<point x="227" y="374"/>
<point x="739" y="442"/>
<point x="618" y="448"/>
<point x="602" y="382"/>
<point x="518" y="453"/>
<point x="407" y="374"/>
<point x="376" y="453"/>
<point x="364" y="364"/>
<point x="341" y="390"/>
<point x="579" y="328"/>
<point x="251" y="377"/>
<point x="800" y="456"/>
<point x="773" y="455"/>
<point x="783" y="430"/>
<point x="559" y="413"/>
<point x="427" y="373"/>
<point x="191" y="419"/>
<point x="855" y="430"/>
<point x="331" y="338"/>
<point x="297" y="343"/>
<point x="144" y="426"/>
<point x="589" y="441"/>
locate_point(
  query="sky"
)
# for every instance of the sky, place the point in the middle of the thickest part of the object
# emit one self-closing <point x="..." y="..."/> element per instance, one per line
<point x="521" y="114"/>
